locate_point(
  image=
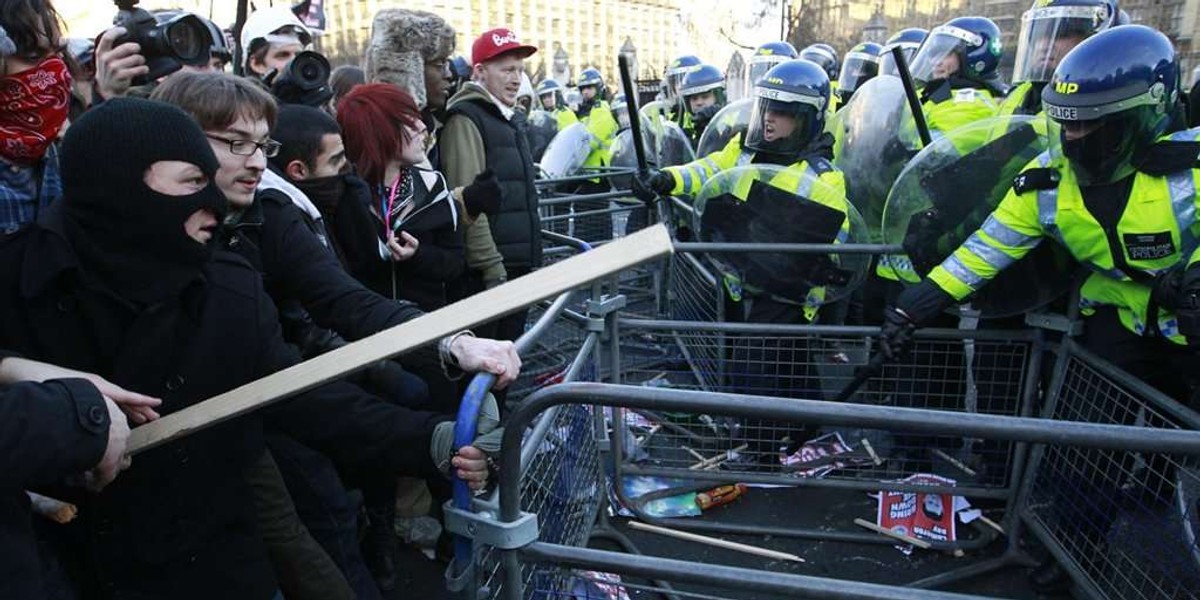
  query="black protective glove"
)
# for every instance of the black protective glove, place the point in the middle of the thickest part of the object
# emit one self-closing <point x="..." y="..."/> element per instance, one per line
<point x="896" y="337"/>
<point x="483" y="195"/>
<point x="648" y="185"/>
<point x="1178" y="290"/>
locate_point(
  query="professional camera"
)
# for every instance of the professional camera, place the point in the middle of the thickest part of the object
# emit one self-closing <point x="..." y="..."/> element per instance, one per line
<point x="304" y="80"/>
<point x="181" y="39"/>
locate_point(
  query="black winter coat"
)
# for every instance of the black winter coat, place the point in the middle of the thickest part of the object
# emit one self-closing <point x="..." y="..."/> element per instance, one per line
<point x="180" y="523"/>
<point x="47" y="431"/>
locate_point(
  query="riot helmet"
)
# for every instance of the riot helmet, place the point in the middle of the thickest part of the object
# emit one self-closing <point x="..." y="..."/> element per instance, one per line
<point x="1050" y="28"/>
<point x="909" y="41"/>
<point x="1113" y="96"/>
<point x="824" y="56"/>
<point x="789" y="108"/>
<point x="860" y="64"/>
<point x="460" y="73"/>
<point x="966" y="47"/>
<point x="676" y="72"/>
<point x="767" y="56"/>
<point x="620" y="111"/>
<point x="703" y="80"/>
<point x="591" y="77"/>
<point x="552" y="89"/>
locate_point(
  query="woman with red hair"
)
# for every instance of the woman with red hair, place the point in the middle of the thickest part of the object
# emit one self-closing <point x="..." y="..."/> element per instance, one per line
<point x="419" y="254"/>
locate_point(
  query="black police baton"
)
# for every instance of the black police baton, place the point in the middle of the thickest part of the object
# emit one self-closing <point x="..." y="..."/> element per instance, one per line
<point x="635" y="128"/>
<point x="910" y="90"/>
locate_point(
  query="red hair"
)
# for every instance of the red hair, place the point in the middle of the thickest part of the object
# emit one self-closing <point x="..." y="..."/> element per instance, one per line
<point x="373" y="117"/>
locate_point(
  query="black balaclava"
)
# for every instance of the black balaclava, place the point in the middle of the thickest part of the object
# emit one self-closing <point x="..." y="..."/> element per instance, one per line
<point x="129" y="237"/>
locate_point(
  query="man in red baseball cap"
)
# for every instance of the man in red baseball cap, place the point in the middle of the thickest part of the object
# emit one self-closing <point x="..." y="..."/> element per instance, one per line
<point x="484" y="134"/>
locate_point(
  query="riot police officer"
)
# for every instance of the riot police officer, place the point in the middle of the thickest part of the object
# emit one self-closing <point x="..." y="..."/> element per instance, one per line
<point x="550" y="99"/>
<point x="703" y="92"/>
<point x="676" y="71"/>
<point x="620" y="111"/>
<point x="859" y="66"/>
<point x="956" y="71"/>
<point x="1050" y="29"/>
<point x="596" y="115"/>
<point x="1117" y="189"/>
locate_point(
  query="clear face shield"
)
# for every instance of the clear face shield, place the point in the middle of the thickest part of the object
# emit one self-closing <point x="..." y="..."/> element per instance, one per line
<point x="943" y="52"/>
<point x="857" y="68"/>
<point x="759" y="65"/>
<point x="675" y="81"/>
<point x="782" y="122"/>
<point x="1047" y="34"/>
<point x="620" y="112"/>
<point x="887" y="62"/>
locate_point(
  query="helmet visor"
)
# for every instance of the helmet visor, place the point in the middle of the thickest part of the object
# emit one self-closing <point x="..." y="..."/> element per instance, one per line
<point x="1047" y="34"/>
<point x="856" y="70"/>
<point x="759" y="65"/>
<point x="784" y="124"/>
<point x="887" y="62"/>
<point x="1102" y="150"/>
<point x="942" y="54"/>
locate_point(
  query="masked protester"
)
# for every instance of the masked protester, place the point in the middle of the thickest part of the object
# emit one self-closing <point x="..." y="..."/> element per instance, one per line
<point x="35" y="90"/>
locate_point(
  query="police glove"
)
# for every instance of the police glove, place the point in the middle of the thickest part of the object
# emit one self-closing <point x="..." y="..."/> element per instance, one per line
<point x="1178" y="290"/>
<point x="487" y="435"/>
<point x="648" y="185"/>
<point x="483" y="195"/>
<point x="915" y="307"/>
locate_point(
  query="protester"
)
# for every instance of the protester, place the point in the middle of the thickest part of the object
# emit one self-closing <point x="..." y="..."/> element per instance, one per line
<point x="411" y="49"/>
<point x="484" y="131"/>
<point x="271" y="38"/>
<point x="343" y="79"/>
<point x="30" y="39"/>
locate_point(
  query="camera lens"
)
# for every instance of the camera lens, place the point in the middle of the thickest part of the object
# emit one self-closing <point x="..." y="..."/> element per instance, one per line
<point x="310" y="71"/>
<point x="187" y="41"/>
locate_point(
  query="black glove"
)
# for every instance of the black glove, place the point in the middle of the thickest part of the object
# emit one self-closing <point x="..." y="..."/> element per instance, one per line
<point x="650" y="184"/>
<point x="483" y="195"/>
<point x="895" y="340"/>
<point x="1178" y="290"/>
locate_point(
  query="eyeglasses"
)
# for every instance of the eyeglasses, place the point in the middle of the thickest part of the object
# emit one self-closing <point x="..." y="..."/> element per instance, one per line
<point x="270" y="148"/>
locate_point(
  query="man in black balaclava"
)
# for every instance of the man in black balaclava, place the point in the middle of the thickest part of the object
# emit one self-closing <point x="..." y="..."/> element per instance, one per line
<point x="122" y="281"/>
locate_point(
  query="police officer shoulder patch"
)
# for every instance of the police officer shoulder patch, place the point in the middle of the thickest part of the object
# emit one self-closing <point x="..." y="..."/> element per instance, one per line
<point x="1035" y="179"/>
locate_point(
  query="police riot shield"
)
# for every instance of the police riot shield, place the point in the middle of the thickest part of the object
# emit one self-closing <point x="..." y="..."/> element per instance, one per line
<point x="567" y="152"/>
<point x="732" y="120"/>
<point x="946" y="193"/>
<point x="624" y="155"/>
<point x="540" y="128"/>
<point x="672" y="146"/>
<point x="868" y="145"/>
<point x="771" y="204"/>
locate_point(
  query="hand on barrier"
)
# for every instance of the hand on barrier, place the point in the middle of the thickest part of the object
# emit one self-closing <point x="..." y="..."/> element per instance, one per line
<point x="895" y="341"/>
<point x="483" y="195"/>
<point x="482" y="355"/>
<point x="471" y="463"/>
<point x="1178" y="290"/>
<point x="648" y="185"/>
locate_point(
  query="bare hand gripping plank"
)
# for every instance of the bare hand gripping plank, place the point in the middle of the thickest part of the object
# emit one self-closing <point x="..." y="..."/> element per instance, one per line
<point x="569" y="274"/>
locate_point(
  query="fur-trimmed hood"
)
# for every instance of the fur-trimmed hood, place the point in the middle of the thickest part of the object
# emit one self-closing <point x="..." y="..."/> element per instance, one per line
<point x="402" y="41"/>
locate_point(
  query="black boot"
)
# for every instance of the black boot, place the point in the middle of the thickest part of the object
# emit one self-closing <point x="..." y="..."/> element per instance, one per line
<point x="379" y="545"/>
<point x="1049" y="578"/>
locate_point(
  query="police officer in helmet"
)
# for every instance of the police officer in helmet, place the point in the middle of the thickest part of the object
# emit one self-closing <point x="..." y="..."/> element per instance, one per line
<point x="859" y="66"/>
<point x="766" y="57"/>
<point x="1050" y="29"/>
<point x="909" y="41"/>
<point x="1117" y="189"/>
<point x="551" y="100"/>
<point x="703" y="92"/>
<point x="956" y="70"/>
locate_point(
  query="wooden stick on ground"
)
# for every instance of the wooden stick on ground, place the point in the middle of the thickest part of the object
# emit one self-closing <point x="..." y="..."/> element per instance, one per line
<point x="718" y="459"/>
<point x="908" y="539"/>
<point x="992" y="524"/>
<point x="870" y="450"/>
<point x="485" y="306"/>
<point x="711" y="541"/>
<point x="960" y="465"/>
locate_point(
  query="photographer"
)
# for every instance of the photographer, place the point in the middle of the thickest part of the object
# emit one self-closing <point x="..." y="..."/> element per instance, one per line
<point x="29" y="56"/>
<point x="271" y="38"/>
<point x="147" y="47"/>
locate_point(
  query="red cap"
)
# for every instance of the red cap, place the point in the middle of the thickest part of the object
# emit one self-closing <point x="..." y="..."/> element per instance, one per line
<point x="498" y="41"/>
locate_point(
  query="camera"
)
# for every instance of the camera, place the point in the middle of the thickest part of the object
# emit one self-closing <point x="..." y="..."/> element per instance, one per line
<point x="181" y="39"/>
<point x="304" y="80"/>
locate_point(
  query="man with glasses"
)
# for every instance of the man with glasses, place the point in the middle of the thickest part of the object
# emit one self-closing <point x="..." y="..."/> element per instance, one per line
<point x="30" y="61"/>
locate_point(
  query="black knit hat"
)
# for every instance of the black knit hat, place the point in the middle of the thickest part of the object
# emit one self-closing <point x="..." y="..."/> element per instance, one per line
<point x="121" y="138"/>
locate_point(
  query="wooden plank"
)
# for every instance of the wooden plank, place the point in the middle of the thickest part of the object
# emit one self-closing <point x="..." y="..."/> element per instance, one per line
<point x="896" y="535"/>
<point x="712" y="541"/>
<point x="650" y="243"/>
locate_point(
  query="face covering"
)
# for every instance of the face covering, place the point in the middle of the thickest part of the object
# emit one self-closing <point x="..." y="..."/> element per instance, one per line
<point x="325" y="192"/>
<point x="35" y="104"/>
<point x="1102" y="155"/>
<point x="128" y="236"/>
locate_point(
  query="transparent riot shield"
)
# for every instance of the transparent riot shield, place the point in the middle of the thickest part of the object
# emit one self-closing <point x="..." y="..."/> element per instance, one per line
<point x="625" y="156"/>
<point x="772" y="204"/>
<point x="672" y="146"/>
<point x="946" y="193"/>
<point x="567" y="152"/>
<point x="868" y="145"/>
<point x="540" y="128"/>
<point x="731" y="121"/>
